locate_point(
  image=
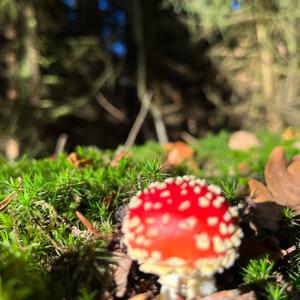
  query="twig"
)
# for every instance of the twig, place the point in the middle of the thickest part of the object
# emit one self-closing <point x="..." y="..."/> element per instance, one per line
<point x="48" y="236"/>
<point x="87" y="224"/>
<point x="7" y="200"/>
<point x="289" y="250"/>
<point x="146" y="100"/>
<point x="187" y="137"/>
<point x="114" y="111"/>
<point x="61" y="143"/>
<point x="142" y="93"/>
<point x="159" y="124"/>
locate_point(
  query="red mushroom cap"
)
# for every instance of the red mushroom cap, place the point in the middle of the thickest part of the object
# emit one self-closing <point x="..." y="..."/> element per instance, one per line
<point x="182" y="225"/>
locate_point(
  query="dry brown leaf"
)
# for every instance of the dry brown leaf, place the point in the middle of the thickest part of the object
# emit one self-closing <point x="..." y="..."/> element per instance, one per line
<point x="143" y="296"/>
<point x="122" y="268"/>
<point x="230" y="295"/>
<point x="243" y="168"/>
<point x="243" y="140"/>
<point x="76" y="162"/>
<point x="291" y="133"/>
<point x="247" y="296"/>
<point x="282" y="182"/>
<point x="119" y="155"/>
<point x="178" y="152"/>
<point x="7" y="200"/>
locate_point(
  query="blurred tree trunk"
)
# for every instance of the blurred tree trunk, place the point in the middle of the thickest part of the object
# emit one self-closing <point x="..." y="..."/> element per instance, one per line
<point x="270" y="100"/>
<point x="31" y="53"/>
<point x="10" y="63"/>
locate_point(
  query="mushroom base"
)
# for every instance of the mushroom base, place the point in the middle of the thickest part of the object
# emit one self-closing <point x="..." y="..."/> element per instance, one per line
<point x="190" y="287"/>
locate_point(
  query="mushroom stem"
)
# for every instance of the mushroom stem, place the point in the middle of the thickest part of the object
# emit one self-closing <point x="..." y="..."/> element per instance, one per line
<point x="190" y="287"/>
<point x="170" y="287"/>
<point x="198" y="285"/>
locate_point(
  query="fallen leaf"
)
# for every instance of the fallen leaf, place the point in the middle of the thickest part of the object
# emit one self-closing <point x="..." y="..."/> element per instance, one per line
<point x="7" y="200"/>
<point x="282" y="182"/>
<point x="143" y="296"/>
<point x="230" y="295"/>
<point x="122" y="268"/>
<point x="290" y="133"/>
<point x="243" y="168"/>
<point x="178" y="152"/>
<point x="243" y="140"/>
<point x="119" y="155"/>
<point x="76" y="161"/>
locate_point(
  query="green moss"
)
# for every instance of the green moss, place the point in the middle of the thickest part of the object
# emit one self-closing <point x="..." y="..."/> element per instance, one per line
<point x="42" y="258"/>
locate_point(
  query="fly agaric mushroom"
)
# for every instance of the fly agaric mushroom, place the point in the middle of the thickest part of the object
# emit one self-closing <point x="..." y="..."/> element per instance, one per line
<point x="183" y="230"/>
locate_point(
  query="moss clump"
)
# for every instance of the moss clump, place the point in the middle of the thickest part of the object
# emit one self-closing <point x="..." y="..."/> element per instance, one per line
<point x="46" y="253"/>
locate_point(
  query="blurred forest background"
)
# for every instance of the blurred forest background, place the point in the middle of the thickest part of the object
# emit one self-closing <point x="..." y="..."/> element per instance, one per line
<point x="85" y="70"/>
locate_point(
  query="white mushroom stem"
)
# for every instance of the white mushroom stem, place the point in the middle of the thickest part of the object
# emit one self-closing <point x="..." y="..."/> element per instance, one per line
<point x="190" y="287"/>
<point x="170" y="287"/>
<point x="200" y="286"/>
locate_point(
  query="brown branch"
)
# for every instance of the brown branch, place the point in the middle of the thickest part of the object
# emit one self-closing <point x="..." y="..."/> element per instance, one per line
<point x="138" y="123"/>
<point x="87" y="224"/>
<point x="7" y="200"/>
<point x="114" y="111"/>
<point x="61" y="143"/>
<point x="142" y="93"/>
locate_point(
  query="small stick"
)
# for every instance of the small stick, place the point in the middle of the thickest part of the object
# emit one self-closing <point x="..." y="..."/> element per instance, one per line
<point x="11" y="196"/>
<point x="87" y="224"/>
<point x="289" y="250"/>
<point x="187" y="137"/>
<point x="7" y="200"/>
<point x="61" y="143"/>
<point x="159" y="124"/>
<point x="114" y="111"/>
<point x="146" y="100"/>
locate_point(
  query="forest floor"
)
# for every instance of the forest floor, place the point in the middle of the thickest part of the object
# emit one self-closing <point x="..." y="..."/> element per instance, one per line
<point x="60" y="217"/>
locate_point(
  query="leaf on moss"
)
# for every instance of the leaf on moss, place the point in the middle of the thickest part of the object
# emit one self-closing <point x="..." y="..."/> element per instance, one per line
<point x="291" y="133"/>
<point x="119" y="155"/>
<point x="282" y="182"/>
<point x="243" y="140"/>
<point x="243" y="168"/>
<point x="178" y="152"/>
<point x="7" y="200"/>
<point x="122" y="268"/>
<point x="230" y="295"/>
<point x="76" y="161"/>
<point x="143" y="296"/>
